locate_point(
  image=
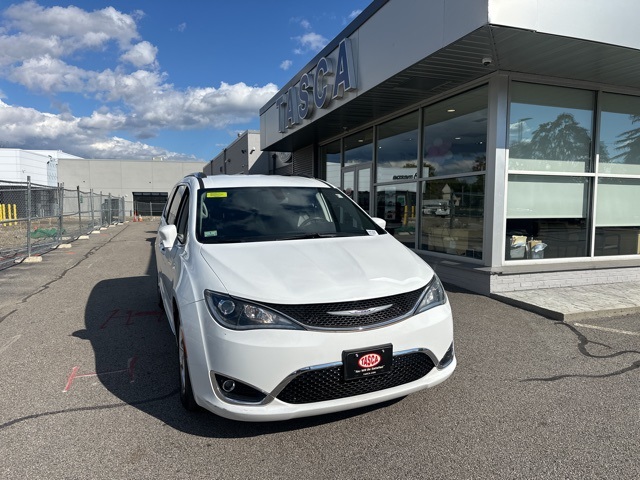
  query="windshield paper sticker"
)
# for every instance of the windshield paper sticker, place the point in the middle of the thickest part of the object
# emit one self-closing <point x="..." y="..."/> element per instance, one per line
<point x="212" y="233"/>
<point x="372" y="232"/>
<point x="216" y="194"/>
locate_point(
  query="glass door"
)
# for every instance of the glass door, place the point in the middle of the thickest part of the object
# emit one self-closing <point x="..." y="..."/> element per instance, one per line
<point x="356" y="182"/>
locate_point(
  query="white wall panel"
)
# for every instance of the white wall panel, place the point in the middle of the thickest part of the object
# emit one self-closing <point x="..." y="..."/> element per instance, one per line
<point x="613" y="22"/>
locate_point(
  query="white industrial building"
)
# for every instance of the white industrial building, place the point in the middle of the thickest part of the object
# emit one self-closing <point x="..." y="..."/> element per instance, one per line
<point x="41" y="165"/>
<point x="144" y="184"/>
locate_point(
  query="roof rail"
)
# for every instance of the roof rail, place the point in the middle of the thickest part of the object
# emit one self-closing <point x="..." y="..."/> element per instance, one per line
<point x="197" y="175"/>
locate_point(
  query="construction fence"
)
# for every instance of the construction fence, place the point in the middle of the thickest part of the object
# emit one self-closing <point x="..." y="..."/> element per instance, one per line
<point x="37" y="218"/>
<point x="146" y="210"/>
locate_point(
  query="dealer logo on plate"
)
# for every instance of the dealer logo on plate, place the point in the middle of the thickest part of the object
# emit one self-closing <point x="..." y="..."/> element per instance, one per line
<point x="369" y="360"/>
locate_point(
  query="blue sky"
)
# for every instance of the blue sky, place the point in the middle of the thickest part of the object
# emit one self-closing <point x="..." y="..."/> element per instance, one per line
<point x="144" y="78"/>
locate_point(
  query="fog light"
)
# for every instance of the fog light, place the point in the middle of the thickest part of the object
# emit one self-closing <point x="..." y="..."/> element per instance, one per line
<point x="228" y="386"/>
<point x="235" y="391"/>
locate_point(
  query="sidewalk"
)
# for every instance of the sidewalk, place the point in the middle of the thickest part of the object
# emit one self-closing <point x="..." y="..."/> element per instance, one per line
<point x="577" y="303"/>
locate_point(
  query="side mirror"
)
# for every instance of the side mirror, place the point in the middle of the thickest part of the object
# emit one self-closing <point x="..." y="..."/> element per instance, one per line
<point x="381" y="222"/>
<point x="168" y="235"/>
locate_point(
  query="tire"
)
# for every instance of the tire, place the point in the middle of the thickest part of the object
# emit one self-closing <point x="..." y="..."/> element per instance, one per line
<point x="186" y="392"/>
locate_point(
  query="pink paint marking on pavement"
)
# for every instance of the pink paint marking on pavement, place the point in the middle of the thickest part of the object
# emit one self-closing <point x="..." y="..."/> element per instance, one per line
<point x="130" y="371"/>
<point x="71" y="378"/>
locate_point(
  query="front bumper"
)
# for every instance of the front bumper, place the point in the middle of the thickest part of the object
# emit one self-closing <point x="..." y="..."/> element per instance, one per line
<point x="271" y="360"/>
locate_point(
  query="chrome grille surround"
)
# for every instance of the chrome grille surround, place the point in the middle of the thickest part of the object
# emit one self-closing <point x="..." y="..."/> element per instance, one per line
<point x="354" y="315"/>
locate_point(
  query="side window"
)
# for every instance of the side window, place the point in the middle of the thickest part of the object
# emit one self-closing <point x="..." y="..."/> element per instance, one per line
<point x="167" y="205"/>
<point x="182" y="219"/>
<point x="174" y="205"/>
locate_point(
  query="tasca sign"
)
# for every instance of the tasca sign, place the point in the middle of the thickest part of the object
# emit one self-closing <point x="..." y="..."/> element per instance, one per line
<point x="317" y="88"/>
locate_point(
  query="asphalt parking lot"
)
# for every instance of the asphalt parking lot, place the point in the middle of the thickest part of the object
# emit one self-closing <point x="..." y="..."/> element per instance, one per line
<point x="90" y="390"/>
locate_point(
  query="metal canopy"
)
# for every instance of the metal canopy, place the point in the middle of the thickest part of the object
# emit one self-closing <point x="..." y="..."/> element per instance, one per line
<point x="512" y="50"/>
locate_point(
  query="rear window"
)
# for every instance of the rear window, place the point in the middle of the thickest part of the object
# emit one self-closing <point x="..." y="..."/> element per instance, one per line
<point x="254" y="214"/>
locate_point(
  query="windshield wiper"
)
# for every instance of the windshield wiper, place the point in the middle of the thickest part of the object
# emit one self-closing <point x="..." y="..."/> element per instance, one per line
<point x="304" y="236"/>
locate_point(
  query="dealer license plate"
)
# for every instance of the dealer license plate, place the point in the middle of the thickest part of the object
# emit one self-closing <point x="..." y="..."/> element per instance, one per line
<point x="366" y="362"/>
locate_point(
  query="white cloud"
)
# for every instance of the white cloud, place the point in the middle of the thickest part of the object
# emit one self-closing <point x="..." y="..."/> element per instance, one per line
<point x="142" y="54"/>
<point x="75" y="27"/>
<point x="310" y="42"/>
<point x="286" y="65"/>
<point x="16" y="48"/>
<point x="196" y="108"/>
<point x="226" y="105"/>
<point x="29" y="128"/>
<point x="135" y="88"/>
<point x="182" y="27"/>
<point x="103" y="121"/>
<point x="39" y="48"/>
<point x="49" y="74"/>
<point x="116" y="147"/>
<point x="354" y="14"/>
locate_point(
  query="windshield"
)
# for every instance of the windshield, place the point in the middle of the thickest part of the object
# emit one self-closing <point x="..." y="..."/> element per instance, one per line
<point x="255" y="214"/>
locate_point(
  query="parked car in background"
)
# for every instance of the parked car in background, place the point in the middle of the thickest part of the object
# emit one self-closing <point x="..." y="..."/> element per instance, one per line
<point x="439" y="208"/>
<point x="288" y="300"/>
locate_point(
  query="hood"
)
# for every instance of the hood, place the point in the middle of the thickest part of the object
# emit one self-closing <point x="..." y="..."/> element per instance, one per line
<point x="317" y="270"/>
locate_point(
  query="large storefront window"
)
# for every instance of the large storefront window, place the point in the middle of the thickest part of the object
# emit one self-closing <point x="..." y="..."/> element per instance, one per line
<point x="617" y="217"/>
<point x="620" y="135"/>
<point x="547" y="216"/>
<point x="454" y="144"/>
<point x="455" y="135"/>
<point x="398" y="149"/>
<point x="550" y="131"/>
<point x="358" y="148"/>
<point x="453" y="215"/>
<point x="330" y="158"/>
<point x="550" y="128"/>
<point x="397" y="205"/>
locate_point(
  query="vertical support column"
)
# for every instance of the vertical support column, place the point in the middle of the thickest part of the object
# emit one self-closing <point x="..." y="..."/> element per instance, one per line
<point x="101" y="211"/>
<point x="110" y="212"/>
<point x="79" y="210"/>
<point x="28" y="215"/>
<point x="496" y="171"/>
<point x="60" y="210"/>
<point x="93" y="219"/>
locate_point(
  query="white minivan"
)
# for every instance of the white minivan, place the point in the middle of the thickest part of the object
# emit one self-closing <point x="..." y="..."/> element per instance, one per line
<point x="288" y="300"/>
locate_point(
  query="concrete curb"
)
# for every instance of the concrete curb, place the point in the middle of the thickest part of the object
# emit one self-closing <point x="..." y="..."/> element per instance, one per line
<point x="545" y="312"/>
<point x="569" y="314"/>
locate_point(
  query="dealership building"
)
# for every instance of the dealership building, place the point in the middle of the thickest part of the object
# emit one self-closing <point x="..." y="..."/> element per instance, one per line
<point x="498" y="139"/>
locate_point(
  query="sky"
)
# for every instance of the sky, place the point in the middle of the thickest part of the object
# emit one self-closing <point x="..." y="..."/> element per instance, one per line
<point x="147" y="78"/>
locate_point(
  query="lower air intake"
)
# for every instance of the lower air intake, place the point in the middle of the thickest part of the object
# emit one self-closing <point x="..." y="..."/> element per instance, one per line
<point x="328" y="383"/>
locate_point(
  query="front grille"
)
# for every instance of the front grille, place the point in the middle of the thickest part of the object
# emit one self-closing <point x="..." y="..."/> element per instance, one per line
<point x="328" y="383"/>
<point x="316" y="315"/>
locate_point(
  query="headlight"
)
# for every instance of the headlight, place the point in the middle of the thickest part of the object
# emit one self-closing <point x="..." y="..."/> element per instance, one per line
<point x="434" y="295"/>
<point x="240" y="315"/>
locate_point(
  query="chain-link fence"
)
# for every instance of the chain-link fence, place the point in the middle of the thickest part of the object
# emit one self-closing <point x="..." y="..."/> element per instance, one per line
<point x="37" y="218"/>
<point x="151" y="210"/>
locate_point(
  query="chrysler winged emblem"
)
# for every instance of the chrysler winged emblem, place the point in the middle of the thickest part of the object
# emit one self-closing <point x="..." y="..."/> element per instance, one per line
<point x="361" y="313"/>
